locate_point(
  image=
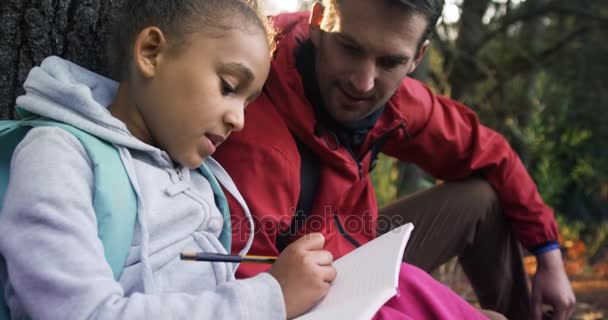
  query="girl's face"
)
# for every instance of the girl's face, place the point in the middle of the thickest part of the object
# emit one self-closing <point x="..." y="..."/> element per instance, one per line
<point x="195" y="97"/>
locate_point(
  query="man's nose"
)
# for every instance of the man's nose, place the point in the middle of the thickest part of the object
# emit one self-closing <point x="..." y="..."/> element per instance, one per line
<point x="363" y="79"/>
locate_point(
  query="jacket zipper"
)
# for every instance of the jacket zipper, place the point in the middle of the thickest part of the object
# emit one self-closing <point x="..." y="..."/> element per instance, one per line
<point x="359" y="164"/>
<point x="379" y="143"/>
<point x="319" y="132"/>
<point x="381" y="140"/>
<point x="343" y="232"/>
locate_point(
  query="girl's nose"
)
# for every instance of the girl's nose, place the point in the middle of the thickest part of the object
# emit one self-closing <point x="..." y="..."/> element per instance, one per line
<point x="235" y="118"/>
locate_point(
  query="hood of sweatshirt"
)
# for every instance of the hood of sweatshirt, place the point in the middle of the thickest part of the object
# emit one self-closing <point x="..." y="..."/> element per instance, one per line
<point x="63" y="91"/>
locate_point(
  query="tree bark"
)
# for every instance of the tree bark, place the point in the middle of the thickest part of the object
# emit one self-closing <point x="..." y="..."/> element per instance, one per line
<point x="32" y="30"/>
<point x="471" y="31"/>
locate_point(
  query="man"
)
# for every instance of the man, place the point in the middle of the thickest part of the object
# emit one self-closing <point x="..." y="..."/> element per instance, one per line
<point x="337" y="95"/>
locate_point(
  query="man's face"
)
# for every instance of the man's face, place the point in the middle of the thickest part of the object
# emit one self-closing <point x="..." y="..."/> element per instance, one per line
<point x="362" y="59"/>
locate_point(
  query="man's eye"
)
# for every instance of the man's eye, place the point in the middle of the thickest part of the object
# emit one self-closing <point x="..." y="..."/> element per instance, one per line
<point x="226" y="87"/>
<point x="389" y="64"/>
<point x="350" y="48"/>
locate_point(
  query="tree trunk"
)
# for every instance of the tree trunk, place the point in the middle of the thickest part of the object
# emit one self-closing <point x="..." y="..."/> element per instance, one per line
<point x="470" y="33"/>
<point x="532" y="30"/>
<point x="31" y="30"/>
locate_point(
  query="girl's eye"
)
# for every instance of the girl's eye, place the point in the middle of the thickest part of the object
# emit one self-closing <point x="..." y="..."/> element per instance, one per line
<point x="226" y="87"/>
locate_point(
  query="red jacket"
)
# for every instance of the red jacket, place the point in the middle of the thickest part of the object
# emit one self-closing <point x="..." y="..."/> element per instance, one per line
<point x="441" y="136"/>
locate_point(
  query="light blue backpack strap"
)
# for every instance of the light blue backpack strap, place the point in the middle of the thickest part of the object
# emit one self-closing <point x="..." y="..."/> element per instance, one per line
<point x="11" y="133"/>
<point x="222" y="204"/>
<point x="114" y="201"/>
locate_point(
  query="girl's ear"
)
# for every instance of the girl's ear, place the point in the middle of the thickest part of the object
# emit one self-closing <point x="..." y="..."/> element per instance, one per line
<point x="148" y="50"/>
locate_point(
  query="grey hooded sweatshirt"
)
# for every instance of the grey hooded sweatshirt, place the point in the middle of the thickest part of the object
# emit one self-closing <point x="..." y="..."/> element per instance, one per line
<point x="48" y="234"/>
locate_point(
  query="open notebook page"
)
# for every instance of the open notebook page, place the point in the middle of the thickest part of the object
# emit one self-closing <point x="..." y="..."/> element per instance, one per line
<point x="367" y="278"/>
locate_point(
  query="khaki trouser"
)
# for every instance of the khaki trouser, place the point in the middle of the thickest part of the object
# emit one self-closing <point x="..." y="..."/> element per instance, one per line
<point x="464" y="219"/>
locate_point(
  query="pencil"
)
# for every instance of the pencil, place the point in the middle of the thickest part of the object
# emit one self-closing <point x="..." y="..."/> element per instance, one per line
<point x="219" y="257"/>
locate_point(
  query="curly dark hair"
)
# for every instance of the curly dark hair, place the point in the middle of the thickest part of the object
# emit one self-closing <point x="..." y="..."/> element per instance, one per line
<point x="177" y="18"/>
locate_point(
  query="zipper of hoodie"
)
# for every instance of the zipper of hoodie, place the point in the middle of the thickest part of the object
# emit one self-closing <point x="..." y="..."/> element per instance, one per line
<point x="180" y="177"/>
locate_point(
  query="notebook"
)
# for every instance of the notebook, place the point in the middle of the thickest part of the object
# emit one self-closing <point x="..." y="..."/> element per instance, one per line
<point x="367" y="278"/>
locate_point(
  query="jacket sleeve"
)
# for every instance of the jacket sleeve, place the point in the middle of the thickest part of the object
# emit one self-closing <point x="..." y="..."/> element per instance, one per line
<point x="445" y="138"/>
<point x="55" y="260"/>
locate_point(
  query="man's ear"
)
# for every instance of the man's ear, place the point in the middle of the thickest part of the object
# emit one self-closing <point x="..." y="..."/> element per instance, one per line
<point x="419" y="55"/>
<point x="316" y="18"/>
<point x="148" y="50"/>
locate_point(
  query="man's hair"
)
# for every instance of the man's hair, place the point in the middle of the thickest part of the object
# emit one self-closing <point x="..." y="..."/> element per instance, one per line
<point x="177" y="19"/>
<point x="431" y="9"/>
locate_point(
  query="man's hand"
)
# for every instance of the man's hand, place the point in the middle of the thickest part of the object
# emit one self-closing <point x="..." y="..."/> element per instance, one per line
<point x="551" y="286"/>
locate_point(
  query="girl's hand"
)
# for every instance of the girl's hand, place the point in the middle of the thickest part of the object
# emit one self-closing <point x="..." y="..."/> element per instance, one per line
<point x="304" y="270"/>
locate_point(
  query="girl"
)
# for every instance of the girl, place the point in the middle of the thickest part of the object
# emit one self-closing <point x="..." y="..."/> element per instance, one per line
<point x="187" y="70"/>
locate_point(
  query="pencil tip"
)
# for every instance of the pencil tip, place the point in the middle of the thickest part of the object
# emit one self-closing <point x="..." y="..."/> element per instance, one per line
<point x="187" y="255"/>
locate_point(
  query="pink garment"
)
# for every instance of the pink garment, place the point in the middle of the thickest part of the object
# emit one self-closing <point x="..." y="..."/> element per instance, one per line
<point x="419" y="296"/>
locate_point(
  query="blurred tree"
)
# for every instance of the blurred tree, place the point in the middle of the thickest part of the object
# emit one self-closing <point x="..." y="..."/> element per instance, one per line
<point x="536" y="72"/>
<point x="32" y="30"/>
